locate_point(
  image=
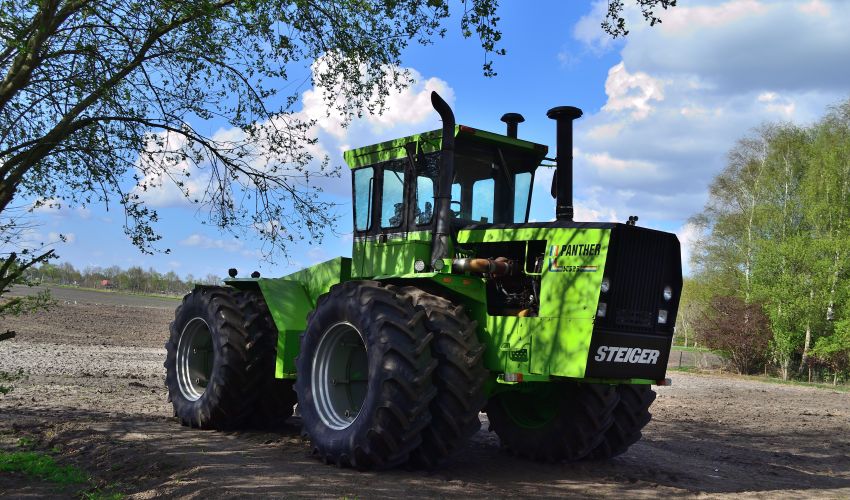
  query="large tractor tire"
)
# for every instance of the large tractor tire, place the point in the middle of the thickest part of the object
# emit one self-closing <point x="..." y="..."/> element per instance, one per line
<point x="459" y="378"/>
<point x="364" y="376"/>
<point x="206" y="360"/>
<point x="553" y="421"/>
<point x="273" y="398"/>
<point x="630" y="416"/>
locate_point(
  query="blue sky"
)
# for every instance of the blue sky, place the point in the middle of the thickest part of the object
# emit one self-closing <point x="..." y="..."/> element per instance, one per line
<point x="662" y="109"/>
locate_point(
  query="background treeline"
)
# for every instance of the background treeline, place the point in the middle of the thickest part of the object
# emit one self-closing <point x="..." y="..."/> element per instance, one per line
<point x="133" y="280"/>
<point x="770" y="283"/>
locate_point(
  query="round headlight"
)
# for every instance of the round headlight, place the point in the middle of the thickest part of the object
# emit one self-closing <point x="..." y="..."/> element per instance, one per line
<point x="606" y="285"/>
<point x="419" y="266"/>
<point x="668" y="293"/>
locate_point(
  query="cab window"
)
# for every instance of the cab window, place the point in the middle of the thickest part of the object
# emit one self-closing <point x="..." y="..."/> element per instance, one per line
<point x="363" y="180"/>
<point x="392" y="195"/>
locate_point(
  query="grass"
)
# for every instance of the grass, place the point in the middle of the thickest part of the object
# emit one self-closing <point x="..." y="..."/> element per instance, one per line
<point x="769" y="380"/>
<point x="116" y="291"/>
<point x="41" y="466"/>
<point x="8" y="377"/>
<point x="695" y="349"/>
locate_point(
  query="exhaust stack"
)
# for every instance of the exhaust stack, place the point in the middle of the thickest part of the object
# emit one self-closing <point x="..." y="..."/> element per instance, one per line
<point x="564" y="116"/>
<point x="443" y="198"/>
<point x="513" y="120"/>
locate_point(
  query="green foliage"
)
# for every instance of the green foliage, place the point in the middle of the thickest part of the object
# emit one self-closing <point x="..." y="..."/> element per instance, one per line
<point x="9" y="378"/>
<point x="42" y="466"/>
<point x="776" y="231"/>
<point x="738" y="329"/>
<point x="134" y="279"/>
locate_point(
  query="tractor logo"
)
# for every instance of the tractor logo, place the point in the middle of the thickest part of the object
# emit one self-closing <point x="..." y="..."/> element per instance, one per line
<point x="575" y="250"/>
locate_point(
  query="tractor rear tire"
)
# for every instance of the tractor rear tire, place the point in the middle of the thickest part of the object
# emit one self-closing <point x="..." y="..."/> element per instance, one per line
<point x="364" y="376"/>
<point x="553" y="421"/>
<point x="273" y="399"/>
<point x="459" y="378"/>
<point x="206" y="360"/>
<point x="630" y="416"/>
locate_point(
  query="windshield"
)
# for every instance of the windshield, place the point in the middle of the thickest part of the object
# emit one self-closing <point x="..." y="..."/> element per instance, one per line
<point x="491" y="185"/>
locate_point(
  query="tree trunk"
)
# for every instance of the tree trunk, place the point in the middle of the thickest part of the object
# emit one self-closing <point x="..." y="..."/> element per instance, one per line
<point x="805" y="359"/>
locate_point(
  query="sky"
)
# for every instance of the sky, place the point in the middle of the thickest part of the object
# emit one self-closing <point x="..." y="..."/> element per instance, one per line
<point x="662" y="108"/>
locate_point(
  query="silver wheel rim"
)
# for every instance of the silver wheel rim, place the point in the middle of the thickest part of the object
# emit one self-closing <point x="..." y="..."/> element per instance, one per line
<point x="195" y="358"/>
<point x="340" y="375"/>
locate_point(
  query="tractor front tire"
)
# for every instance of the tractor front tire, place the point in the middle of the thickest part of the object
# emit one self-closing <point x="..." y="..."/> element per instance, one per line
<point x="630" y="416"/>
<point x="459" y="378"/>
<point x="273" y="399"/>
<point x="552" y="421"/>
<point x="206" y="360"/>
<point x="364" y="376"/>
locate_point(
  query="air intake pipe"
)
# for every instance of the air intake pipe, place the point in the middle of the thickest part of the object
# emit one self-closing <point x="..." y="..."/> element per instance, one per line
<point x="443" y="199"/>
<point x="512" y="120"/>
<point x="564" y="116"/>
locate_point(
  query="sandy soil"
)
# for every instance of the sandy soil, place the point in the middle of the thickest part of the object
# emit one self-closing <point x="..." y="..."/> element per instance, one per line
<point x="94" y="393"/>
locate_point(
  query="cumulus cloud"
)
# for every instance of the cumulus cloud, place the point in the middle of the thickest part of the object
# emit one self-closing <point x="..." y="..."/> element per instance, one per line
<point x="688" y="235"/>
<point x="202" y="241"/>
<point x="740" y="45"/>
<point x="684" y="91"/>
<point x="632" y="92"/>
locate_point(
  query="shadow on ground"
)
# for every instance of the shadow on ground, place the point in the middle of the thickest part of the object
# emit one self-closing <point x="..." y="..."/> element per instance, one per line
<point x="151" y="455"/>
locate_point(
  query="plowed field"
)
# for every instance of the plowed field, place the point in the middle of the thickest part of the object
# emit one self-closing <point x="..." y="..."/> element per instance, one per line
<point x="94" y="397"/>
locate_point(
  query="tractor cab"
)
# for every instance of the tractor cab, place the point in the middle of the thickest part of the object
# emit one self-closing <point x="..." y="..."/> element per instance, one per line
<point x="395" y="186"/>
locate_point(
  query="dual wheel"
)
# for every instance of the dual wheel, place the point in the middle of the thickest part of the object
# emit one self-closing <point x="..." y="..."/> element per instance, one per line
<point x="553" y="422"/>
<point x="388" y="375"/>
<point x="220" y="360"/>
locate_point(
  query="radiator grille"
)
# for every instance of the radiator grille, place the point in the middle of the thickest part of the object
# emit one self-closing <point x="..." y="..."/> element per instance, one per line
<point x="640" y="263"/>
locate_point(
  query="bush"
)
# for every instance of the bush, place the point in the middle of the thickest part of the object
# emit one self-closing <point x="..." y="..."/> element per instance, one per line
<point x="739" y="329"/>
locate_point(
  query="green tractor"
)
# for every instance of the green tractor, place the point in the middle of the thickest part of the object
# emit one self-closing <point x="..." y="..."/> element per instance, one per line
<point x="452" y="303"/>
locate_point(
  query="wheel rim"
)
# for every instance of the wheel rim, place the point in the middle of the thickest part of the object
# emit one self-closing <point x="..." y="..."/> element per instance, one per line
<point x="530" y="409"/>
<point x="195" y="358"/>
<point x="339" y="376"/>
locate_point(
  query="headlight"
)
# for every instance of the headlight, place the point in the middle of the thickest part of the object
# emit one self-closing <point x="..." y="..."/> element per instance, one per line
<point x="601" y="310"/>
<point x="606" y="285"/>
<point x="668" y="293"/>
<point x="662" y="317"/>
<point x="419" y="266"/>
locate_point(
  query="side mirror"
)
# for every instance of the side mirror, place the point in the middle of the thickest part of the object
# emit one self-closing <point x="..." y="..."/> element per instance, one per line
<point x="554" y="189"/>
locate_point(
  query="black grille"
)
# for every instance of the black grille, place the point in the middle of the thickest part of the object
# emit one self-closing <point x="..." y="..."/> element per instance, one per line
<point x="640" y="263"/>
<point x="625" y="317"/>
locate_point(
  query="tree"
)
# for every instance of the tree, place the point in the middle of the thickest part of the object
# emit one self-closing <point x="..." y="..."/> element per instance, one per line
<point x="776" y="233"/>
<point x="102" y="101"/>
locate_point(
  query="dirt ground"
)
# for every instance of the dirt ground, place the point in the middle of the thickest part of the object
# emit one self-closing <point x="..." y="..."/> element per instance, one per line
<point x="94" y="396"/>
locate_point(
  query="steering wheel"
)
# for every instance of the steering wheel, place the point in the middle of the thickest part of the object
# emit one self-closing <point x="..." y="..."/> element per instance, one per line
<point x="455" y="213"/>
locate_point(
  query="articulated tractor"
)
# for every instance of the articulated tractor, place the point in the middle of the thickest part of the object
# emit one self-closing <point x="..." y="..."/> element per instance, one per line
<point x="451" y="304"/>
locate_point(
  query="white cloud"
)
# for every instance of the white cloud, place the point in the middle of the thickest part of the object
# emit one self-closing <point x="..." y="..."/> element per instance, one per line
<point x="683" y="19"/>
<point x="202" y="241"/>
<point x="588" y="31"/>
<point x="688" y="235"/>
<point x="815" y="8"/>
<point x="685" y="91"/>
<point x="632" y="91"/>
<point x="777" y="104"/>
<point x="408" y="106"/>
<point x="632" y="169"/>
